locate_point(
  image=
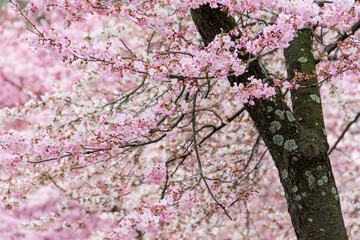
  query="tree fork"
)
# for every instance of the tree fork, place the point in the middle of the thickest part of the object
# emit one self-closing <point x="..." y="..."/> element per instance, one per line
<point x="297" y="144"/>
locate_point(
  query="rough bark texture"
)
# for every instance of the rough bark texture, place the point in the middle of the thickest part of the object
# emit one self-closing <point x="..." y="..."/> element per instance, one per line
<point x="296" y="138"/>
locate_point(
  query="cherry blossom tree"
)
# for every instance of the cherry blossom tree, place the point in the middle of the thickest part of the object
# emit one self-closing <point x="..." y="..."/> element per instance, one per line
<point x="175" y="119"/>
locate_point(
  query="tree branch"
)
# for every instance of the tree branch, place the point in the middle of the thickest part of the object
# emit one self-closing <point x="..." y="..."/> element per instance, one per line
<point x="198" y="157"/>
<point x="333" y="46"/>
<point x="343" y="133"/>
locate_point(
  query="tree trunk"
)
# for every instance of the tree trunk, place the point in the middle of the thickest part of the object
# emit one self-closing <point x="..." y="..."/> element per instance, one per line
<point x="296" y="138"/>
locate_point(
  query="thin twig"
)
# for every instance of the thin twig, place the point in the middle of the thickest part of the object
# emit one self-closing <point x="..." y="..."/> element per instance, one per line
<point x="198" y="156"/>
<point x="343" y="133"/>
<point x="52" y="159"/>
<point x="26" y="18"/>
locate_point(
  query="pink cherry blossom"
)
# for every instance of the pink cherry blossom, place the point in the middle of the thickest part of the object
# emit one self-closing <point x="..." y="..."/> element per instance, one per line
<point x="118" y="121"/>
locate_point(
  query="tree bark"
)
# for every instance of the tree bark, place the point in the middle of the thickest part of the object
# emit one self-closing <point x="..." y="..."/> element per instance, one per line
<point x="295" y="137"/>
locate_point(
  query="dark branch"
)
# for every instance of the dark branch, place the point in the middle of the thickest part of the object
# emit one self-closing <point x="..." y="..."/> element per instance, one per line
<point x="343" y="133"/>
<point x="343" y="37"/>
